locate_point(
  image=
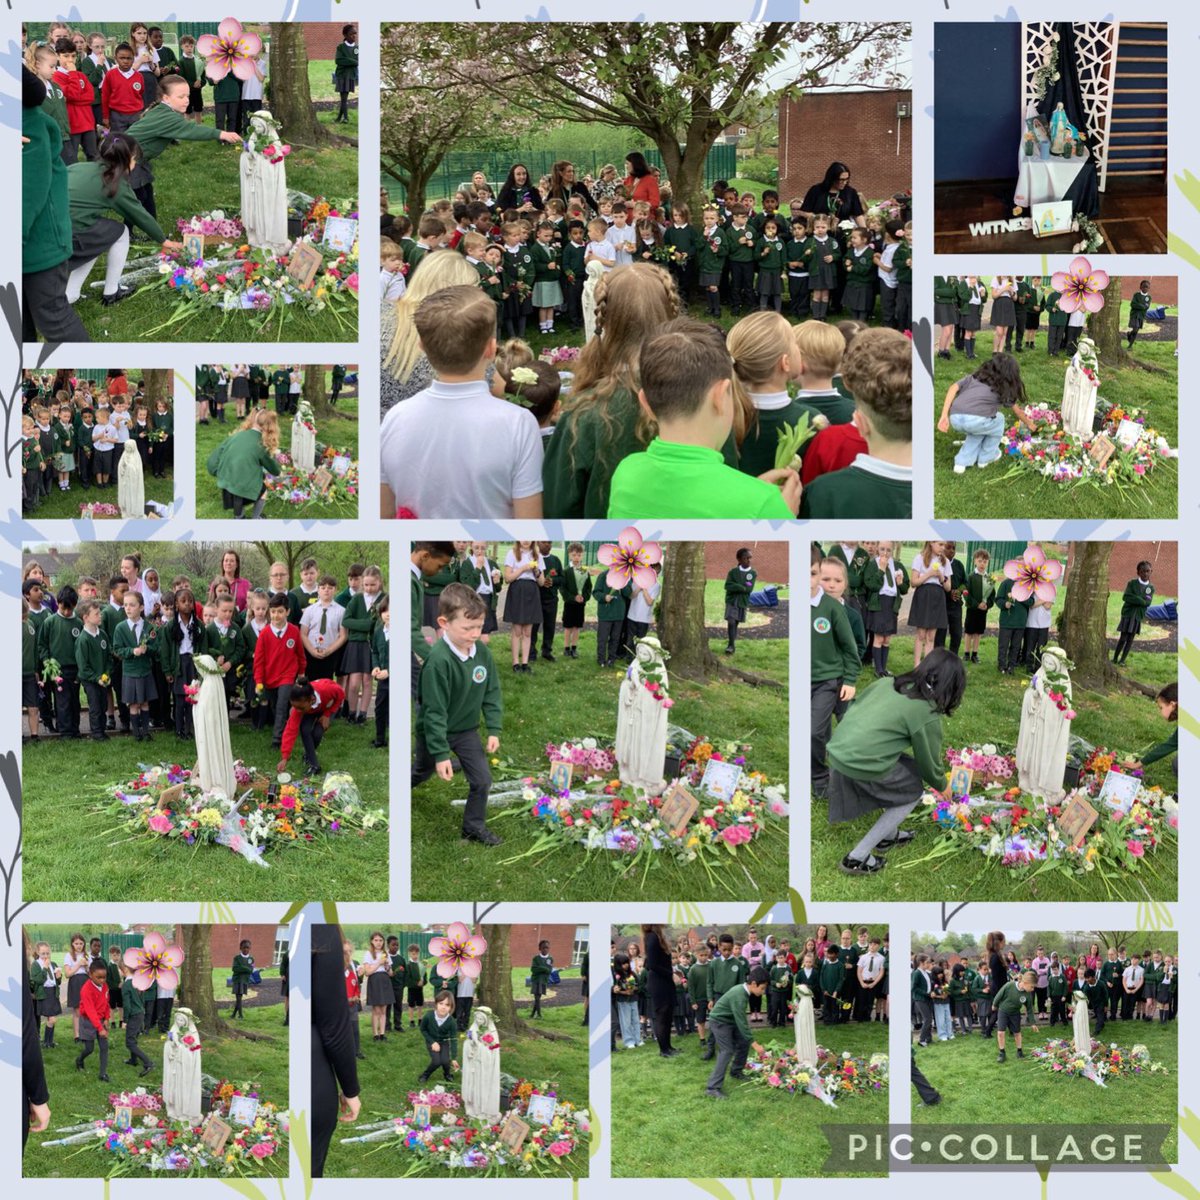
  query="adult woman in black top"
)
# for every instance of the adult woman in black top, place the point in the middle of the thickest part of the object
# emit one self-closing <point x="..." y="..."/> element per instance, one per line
<point x="834" y="197"/>
<point x="333" y="1063"/>
<point x="660" y="987"/>
<point x="35" y="1095"/>
<point x="519" y="192"/>
<point x="997" y="972"/>
<point x="564" y="185"/>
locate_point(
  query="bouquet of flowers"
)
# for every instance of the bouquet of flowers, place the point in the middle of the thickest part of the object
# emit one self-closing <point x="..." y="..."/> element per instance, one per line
<point x="216" y="225"/>
<point x="984" y="760"/>
<point x="833" y="1076"/>
<point x="560" y="356"/>
<point x="1107" y="1060"/>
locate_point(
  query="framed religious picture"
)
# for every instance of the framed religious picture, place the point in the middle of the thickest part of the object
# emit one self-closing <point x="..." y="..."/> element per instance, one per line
<point x="1076" y="819"/>
<point x="560" y="776"/>
<point x="1128" y="433"/>
<point x="1101" y="449"/>
<point x="678" y="808"/>
<point x="720" y="779"/>
<point x="215" y="1134"/>
<point x="171" y="796"/>
<point x="123" y="1116"/>
<point x="340" y="234"/>
<point x="193" y="246"/>
<point x="1120" y="791"/>
<point x="322" y="480"/>
<point x="541" y="1109"/>
<point x="421" y="1115"/>
<point x="304" y="264"/>
<point x="243" y="1110"/>
<point x="960" y="781"/>
<point x="513" y="1132"/>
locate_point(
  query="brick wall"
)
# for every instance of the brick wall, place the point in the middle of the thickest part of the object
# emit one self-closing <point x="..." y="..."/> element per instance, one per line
<point x="523" y="943"/>
<point x="857" y="128"/>
<point x="770" y="559"/>
<point x="1164" y="289"/>
<point x="321" y="38"/>
<point x="223" y="943"/>
<point x="1122" y="566"/>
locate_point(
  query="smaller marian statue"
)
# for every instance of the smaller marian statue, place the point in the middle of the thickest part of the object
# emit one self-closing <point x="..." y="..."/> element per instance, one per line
<point x="1045" y="732"/>
<point x="481" y="1067"/>
<point x="304" y="439"/>
<point x="264" y="185"/>
<point x="210" y="718"/>
<point x="1079" y="390"/>
<point x="806" y="1027"/>
<point x="642" y="718"/>
<point x="181" y="1068"/>
<point x="1079" y="1024"/>
<point x="131" y="485"/>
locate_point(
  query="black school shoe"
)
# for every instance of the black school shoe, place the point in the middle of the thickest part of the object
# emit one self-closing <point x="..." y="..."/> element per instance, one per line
<point x="901" y="839"/>
<point x="122" y="293"/>
<point x="856" y="866"/>
<point x="485" y="837"/>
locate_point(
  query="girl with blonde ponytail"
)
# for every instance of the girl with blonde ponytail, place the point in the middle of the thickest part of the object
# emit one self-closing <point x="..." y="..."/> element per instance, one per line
<point x="764" y="360"/>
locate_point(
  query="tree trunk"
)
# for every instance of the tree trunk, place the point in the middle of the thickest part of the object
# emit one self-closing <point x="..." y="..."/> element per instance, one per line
<point x="682" y="628"/>
<point x="158" y="386"/>
<point x="1104" y="327"/>
<point x="1082" y="624"/>
<point x="196" y="981"/>
<point x="495" y="982"/>
<point x="313" y="390"/>
<point x="290" y="553"/>
<point x="291" y="97"/>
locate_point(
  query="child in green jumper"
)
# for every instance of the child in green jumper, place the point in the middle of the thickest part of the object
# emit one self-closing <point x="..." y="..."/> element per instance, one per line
<point x="1013" y="615"/>
<point x="1008" y="1002"/>
<point x="834" y="669"/>
<point x="685" y="375"/>
<point x="888" y="749"/>
<point x="739" y="584"/>
<point x="440" y="1032"/>
<point x="1135" y="600"/>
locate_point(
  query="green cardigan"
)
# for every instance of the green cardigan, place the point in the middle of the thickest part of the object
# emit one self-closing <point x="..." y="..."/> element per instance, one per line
<point x="873" y="580"/>
<point x="45" y="215"/>
<point x="89" y="201"/>
<point x="240" y="462"/>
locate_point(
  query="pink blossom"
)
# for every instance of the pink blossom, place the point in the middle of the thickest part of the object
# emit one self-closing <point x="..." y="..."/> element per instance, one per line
<point x="458" y="952"/>
<point x="263" y="1149"/>
<point x="560" y="1148"/>
<point x="154" y="961"/>
<point x="668" y="704"/>
<point x="1081" y="287"/>
<point x="1139" y="468"/>
<point x="1034" y="574"/>
<point x="735" y="835"/>
<point x="630" y="559"/>
<point x="230" y="49"/>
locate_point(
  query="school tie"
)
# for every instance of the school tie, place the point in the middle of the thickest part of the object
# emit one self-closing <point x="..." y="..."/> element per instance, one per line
<point x="324" y="617"/>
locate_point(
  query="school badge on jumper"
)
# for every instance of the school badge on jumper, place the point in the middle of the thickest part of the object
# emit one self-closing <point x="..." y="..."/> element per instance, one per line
<point x="290" y="643"/>
<point x="479" y="674"/>
<point x="821" y="625"/>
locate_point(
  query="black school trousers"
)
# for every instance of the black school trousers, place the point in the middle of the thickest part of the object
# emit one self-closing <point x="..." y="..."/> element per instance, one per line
<point x="467" y="745"/>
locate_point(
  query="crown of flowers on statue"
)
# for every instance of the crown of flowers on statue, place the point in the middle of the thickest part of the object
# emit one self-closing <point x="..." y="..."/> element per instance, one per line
<point x="230" y="50"/>
<point x="1055" y="671"/>
<point x="154" y="962"/>
<point x="205" y="664"/>
<point x="458" y="952"/>
<point x="1034" y="575"/>
<point x="630" y="559"/>
<point x="1089" y="360"/>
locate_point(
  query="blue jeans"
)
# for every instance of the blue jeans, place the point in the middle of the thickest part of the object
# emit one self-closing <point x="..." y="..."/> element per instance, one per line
<point x="982" y="442"/>
<point x="942" y="1022"/>
<point x="627" y="1016"/>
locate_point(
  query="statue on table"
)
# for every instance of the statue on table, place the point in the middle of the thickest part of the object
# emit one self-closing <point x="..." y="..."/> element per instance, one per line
<point x="805" y="1023"/>
<point x="1061" y="130"/>
<point x="264" y="185"/>
<point x="210" y="718"/>
<point x="304" y="439"/>
<point x="182" y="1069"/>
<point x="131" y="484"/>
<point x="642" y="718"/>
<point x="481" y="1067"/>
<point x="1080" y="389"/>
<point x="1079" y="1027"/>
<point x="1045" y="728"/>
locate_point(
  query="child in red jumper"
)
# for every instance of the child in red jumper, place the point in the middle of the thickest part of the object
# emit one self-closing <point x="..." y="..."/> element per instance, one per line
<point x="278" y="659"/>
<point x="314" y="705"/>
<point x="121" y="93"/>
<point x="93" y="1016"/>
<point x="80" y="96"/>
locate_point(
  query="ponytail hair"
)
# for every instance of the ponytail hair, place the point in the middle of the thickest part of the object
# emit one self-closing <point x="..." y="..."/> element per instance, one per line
<point x="302" y="689"/>
<point x="116" y="155"/>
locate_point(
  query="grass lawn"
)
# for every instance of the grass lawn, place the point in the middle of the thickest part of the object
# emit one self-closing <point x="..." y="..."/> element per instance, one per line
<point x="653" y="1099"/>
<point x="320" y="86"/>
<point x="59" y="794"/>
<point x="391" y="1069"/>
<point x="197" y="178"/>
<point x="64" y="506"/>
<point x="76" y="1097"/>
<point x="572" y="698"/>
<point x="340" y="431"/>
<point x="991" y="712"/>
<point x="977" y="1090"/>
<point x="996" y="493"/>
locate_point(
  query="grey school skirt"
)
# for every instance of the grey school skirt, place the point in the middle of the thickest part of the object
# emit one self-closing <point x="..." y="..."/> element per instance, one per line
<point x="945" y="313"/>
<point x="851" y="798"/>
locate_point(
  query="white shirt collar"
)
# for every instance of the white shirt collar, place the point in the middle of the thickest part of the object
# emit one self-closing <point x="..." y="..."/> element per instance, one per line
<point x="886" y="470"/>
<point x="770" y="401"/>
<point x="458" y="653"/>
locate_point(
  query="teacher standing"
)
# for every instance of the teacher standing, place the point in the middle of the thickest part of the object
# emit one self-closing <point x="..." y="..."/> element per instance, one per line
<point x="35" y="1095"/>
<point x="640" y="182"/>
<point x="564" y="185"/>
<point x="660" y="987"/>
<point x="333" y="1063"/>
<point x="519" y="192"/>
<point x="834" y="197"/>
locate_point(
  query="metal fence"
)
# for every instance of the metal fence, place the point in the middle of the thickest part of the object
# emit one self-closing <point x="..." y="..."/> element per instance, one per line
<point x="459" y="165"/>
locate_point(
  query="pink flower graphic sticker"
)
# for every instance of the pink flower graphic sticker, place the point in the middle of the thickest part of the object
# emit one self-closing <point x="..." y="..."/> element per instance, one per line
<point x="1081" y="287"/>
<point x="630" y="559"/>
<point x="1033" y="574"/>
<point x="458" y="952"/>
<point x="154" y="962"/>
<point x="230" y="49"/>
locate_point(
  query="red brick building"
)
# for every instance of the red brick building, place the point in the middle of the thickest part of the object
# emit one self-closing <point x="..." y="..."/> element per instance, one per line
<point x="770" y="559"/>
<point x="266" y="941"/>
<point x="861" y="129"/>
<point x="1164" y="289"/>
<point x="321" y="39"/>
<point x="567" y="942"/>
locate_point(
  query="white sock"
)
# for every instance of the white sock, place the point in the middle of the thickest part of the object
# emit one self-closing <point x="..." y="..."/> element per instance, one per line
<point x="118" y="254"/>
<point x="77" y="279"/>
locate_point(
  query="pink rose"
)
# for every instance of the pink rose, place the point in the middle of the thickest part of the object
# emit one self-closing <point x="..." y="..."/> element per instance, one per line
<point x="1135" y="848"/>
<point x="160" y="823"/>
<point x="263" y="1150"/>
<point x="560" y="1149"/>
<point x="735" y="835"/>
<point x="1139" y="469"/>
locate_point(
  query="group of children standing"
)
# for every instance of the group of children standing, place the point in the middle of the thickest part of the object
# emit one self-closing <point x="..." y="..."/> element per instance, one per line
<point x="73" y="432"/>
<point x="292" y="658"/>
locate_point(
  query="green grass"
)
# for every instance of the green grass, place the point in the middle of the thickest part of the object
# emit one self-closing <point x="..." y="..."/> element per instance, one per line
<point x="340" y="431"/>
<point x="994" y="493"/>
<point x="655" y="1099"/>
<point x="977" y="1090"/>
<point x="63" y="782"/>
<point x="391" y="1071"/>
<point x="575" y="699"/>
<point x="77" y="1097"/>
<point x="197" y="178"/>
<point x="991" y="712"/>
<point x="64" y="506"/>
<point x="320" y="85"/>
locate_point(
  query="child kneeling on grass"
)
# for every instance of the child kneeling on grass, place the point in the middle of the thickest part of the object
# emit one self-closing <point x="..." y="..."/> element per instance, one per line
<point x="1008" y="1002"/>
<point x="458" y="683"/>
<point x="730" y="1027"/>
<point x="686" y="388"/>
<point x="313" y="705"/>
<point x="440" y="1032"/>
<point x="888" y="748"/>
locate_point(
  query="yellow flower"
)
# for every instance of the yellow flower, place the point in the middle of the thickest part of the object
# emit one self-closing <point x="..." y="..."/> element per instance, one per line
<point x="693" y="841"/>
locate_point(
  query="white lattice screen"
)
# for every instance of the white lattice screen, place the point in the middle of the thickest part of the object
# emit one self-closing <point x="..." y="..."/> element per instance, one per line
<point x="1095" y="51"/>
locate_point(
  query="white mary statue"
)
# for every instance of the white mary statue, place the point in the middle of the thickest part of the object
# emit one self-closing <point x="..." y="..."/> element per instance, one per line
<point x="481" y="1067"/>
<point x="1079" y="391"/>
<point x="642" y="719"/>
<point x="181" y="1068"/>
<point x="131" y="486"/>
<point x="1082" y="1034"/>
<point x="806" y="1027"/>
<point x="210" y="717"/>
<point x="1045" y="728"/>
<point x="264" y="185"/>
<point x="304" y="438"/>
<point x="595" y="272"/>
